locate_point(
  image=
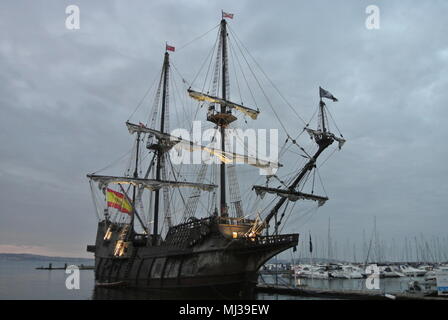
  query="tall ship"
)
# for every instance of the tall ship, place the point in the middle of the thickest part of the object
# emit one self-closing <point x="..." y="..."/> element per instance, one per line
<point x="173" y="226"/>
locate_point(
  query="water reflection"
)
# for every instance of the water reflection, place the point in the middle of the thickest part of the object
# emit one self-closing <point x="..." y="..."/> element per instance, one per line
<point x="209" y="293"/>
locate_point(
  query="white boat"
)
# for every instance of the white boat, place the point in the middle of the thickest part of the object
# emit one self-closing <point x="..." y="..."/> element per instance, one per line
<point x="389" y="272"/>
<point x="411" y="271"/>
<point x="427" y="286"/>
<point x="311" y="272"/>
<point x="435" y="271"/>
<point x="426" y="267"/>
<point x="352" y="272"/>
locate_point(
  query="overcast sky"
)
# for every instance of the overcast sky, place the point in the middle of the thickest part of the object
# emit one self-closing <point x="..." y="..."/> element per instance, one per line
<point x="65" y="94"/>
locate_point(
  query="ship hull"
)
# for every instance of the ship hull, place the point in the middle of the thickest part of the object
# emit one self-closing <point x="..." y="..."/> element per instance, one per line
<point x="214" y="266"/>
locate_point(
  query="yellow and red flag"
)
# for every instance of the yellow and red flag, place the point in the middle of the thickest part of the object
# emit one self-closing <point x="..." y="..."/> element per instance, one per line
<point x="118" y="201"/>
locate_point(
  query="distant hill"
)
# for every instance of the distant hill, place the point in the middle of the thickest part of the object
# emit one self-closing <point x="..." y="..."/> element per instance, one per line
<point x="35" y="257"/>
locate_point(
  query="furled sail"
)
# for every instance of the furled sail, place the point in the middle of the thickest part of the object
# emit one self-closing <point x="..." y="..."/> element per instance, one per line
<point x="150" y="184"/>
<point x="289" y="194"/>
<point x="223" y="156"/>
<point x="229" y="157"/>
<point x="316" y="133"/>
<point x="205" y="97"/>
<point x="165" y="137"/>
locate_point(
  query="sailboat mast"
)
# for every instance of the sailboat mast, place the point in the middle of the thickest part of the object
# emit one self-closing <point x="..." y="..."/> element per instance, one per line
<point x="223" y="110"/>
<point x="159" y="151"/>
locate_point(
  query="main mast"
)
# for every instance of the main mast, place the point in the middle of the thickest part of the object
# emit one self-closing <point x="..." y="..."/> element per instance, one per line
<point x="220" y="113"/>
<point x="223" y="125"/>
<point x="165" y="70"/>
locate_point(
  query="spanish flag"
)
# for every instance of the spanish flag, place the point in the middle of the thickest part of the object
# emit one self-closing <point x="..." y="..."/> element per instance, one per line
<point x="118" y="201"/>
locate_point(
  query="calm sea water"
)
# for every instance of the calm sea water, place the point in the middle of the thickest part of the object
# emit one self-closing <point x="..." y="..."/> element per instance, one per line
<point x="386" y="285"/>
<point x="20" y="280"/>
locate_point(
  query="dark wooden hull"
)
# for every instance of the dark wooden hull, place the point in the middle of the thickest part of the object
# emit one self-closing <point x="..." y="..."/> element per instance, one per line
<point x="213" y="266"/>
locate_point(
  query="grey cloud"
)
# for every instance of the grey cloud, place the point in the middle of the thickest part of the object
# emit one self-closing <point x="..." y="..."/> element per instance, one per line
<point x="66" y="94"/>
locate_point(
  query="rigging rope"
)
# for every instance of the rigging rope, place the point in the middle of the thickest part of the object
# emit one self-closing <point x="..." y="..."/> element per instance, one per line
<point x="334" y="122"/>
<point x="198" y="37"/>
<point x="270" y="81"/>
<point x="261" y="88"/>
<point x="144" y="96"/>
<point x="232" y="52"/>
<point x="95" y="204"/>
<point x="114" y="162"/>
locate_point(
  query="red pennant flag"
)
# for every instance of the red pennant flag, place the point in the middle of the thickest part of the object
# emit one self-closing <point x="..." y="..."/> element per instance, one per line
<point x="170" y="48"/>
<point x="227" y="15"/>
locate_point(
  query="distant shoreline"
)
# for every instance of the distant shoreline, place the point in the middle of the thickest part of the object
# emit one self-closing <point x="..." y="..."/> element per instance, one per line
<point x="36" y="257"/>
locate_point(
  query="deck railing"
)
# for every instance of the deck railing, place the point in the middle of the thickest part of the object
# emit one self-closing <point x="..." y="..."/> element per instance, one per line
<point x="274" y="239"/>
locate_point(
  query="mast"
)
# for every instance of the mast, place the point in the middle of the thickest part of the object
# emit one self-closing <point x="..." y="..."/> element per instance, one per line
<point x="323" y="143"/>
<point x="223" y="206"/>
<point x="323" y="138"/>
<point x="160" y="150"/>
<point x="220" y="113"/>
<point x="135" y="176"/>
<point x="322" y="114"/>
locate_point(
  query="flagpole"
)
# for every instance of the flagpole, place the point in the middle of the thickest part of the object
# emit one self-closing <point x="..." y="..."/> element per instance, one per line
<point x="322" y="105"/>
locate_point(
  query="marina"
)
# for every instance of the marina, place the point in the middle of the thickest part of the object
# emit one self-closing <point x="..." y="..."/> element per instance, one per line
<point x="352" y="280"/>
